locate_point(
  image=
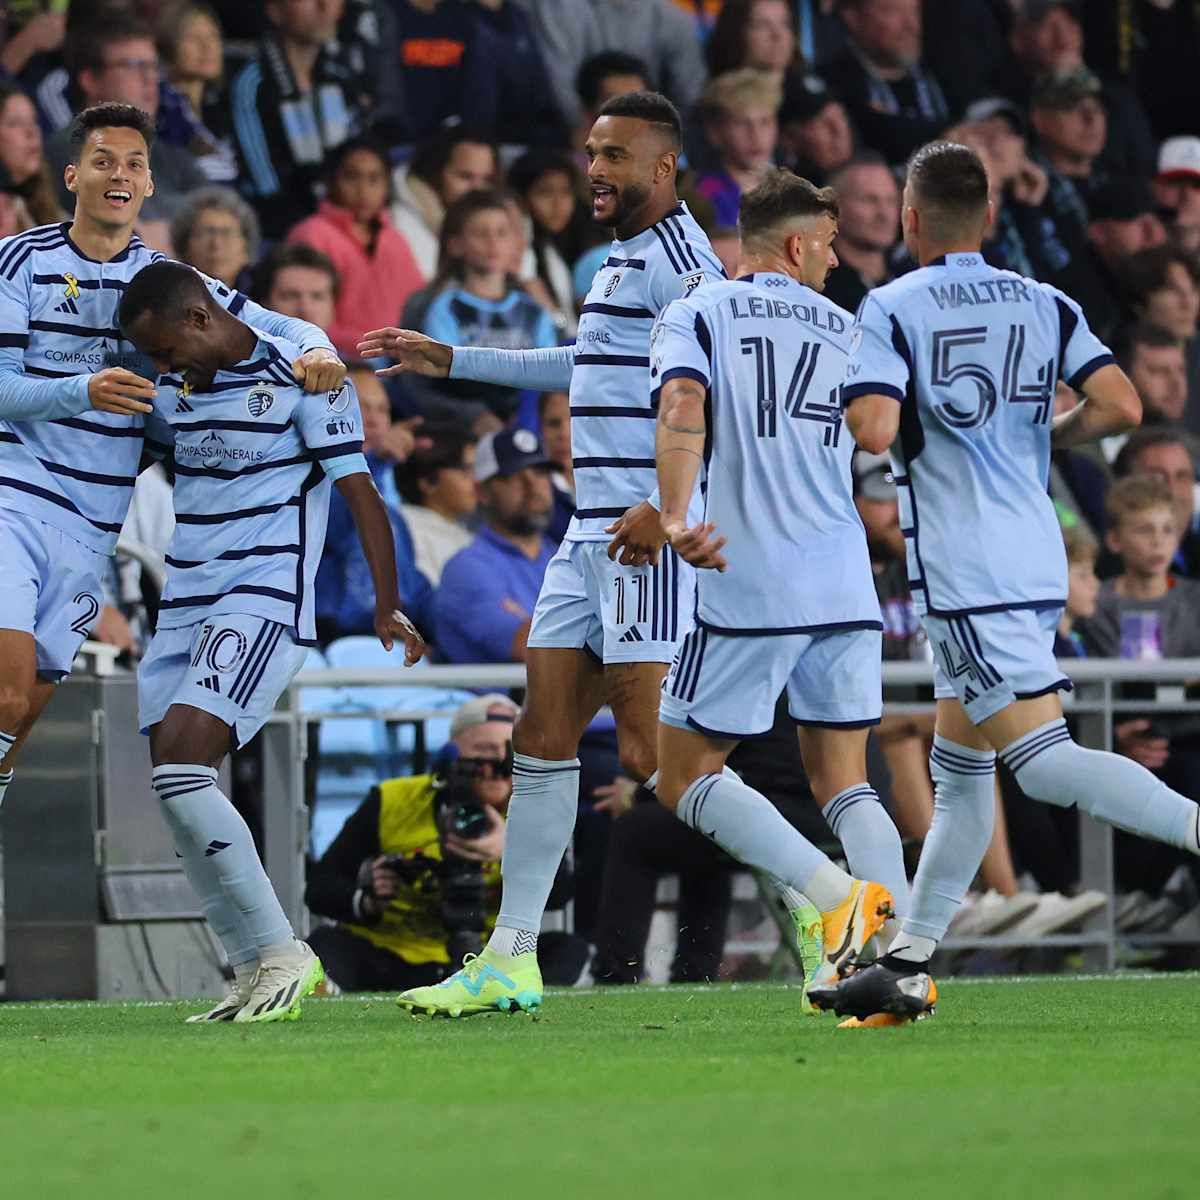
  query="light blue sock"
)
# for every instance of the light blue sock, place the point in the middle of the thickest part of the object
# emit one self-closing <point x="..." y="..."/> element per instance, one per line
<point x="748" y="826"/>
<point x="870" y="840"/>
<point x="1050" y="766"/>
<point x="221" y="862"/>
<point x="541" y="819"/>
<point x="964" y="813"/>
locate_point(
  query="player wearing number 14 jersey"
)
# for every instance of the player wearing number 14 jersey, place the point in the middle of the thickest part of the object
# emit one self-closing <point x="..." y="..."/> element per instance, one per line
<point x="954" y="367"/>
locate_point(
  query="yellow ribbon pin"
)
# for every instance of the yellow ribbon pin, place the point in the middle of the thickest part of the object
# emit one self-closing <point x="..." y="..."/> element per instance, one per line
<point x="72" y="286"/>
<point x="185" y="390"/>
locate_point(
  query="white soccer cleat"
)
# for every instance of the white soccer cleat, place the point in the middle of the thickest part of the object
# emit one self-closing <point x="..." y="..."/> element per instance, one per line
<point x="282" y="981"/>
<point x="235" y="999"/>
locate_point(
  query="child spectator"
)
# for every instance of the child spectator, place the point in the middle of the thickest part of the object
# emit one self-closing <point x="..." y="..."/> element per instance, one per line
<point x="1168" y="452"/>
<point x="438" y="487"/>
<point x="1083" y="590"/>
<point x="193" y="108"/>
<point x="216" y="231"/>
<point x="476" y="300"/>
<point x="376" y="268"/>
<point x="298" y="281"/>
<point x="21" y="156"/>
<point x="449" y="165"/>
<point x="742" y="124"/>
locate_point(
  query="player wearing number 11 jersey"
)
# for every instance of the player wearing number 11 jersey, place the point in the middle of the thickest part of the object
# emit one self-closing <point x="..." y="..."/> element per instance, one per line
<point x="954" y="367"/>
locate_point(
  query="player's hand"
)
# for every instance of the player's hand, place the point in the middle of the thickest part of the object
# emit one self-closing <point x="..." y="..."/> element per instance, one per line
<point x="485" y="849"/>
<point x="412" y="351"/>
<point x="403" y="437"/>
<point x="391" y="624"/>
<point x="637" y="536"/>
<point x="116" y="390"/>
<point x="698" y="545"/>
<point x="319" y="370"/>
<point x="1134" y="740"/>
<point x="616" y="797"/>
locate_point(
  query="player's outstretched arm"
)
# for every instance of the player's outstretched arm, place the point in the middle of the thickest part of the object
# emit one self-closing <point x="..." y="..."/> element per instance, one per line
<point x="1112" y="407"/>
<point x="413" y="351"/>
<point x="375" y="535"/>
<point x="874" y="421"/>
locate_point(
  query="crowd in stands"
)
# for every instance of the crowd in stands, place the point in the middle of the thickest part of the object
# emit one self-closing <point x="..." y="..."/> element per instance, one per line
<point x="363" y="163"/>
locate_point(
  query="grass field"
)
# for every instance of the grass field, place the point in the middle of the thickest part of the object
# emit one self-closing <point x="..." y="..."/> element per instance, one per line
<point x="1023" y="1090"/>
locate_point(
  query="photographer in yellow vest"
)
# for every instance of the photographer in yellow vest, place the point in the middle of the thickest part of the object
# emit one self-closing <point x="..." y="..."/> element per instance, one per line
<point x="413" y="878"/>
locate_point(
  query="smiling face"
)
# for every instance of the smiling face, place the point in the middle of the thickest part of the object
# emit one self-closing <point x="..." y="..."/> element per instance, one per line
<point x="112" y="177"/>
<point x="627" y="158"/>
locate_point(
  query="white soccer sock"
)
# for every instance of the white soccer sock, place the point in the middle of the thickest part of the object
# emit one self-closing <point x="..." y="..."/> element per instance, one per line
<point x="7" y="741"/>
<point x="964" y="812"/>
<point x="1050" y="766"/>
<point x="748" y="826"/>
<point x="541" y="819"/>
<point x="870" y="840"/>
<point x="221" y="862"/>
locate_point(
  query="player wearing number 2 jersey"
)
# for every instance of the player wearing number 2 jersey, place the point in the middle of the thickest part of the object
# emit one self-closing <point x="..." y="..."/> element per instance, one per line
<point x="954" y="367"/>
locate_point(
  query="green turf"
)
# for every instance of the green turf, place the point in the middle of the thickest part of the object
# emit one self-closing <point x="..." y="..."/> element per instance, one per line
<point x="1055" y="1089"/>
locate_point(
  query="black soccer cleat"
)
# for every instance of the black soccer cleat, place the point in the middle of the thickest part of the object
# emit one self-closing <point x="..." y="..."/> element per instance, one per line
<point x="878" y="989"/>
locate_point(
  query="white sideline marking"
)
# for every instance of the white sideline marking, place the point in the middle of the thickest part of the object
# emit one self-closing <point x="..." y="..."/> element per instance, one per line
<point x="679" y="989"/>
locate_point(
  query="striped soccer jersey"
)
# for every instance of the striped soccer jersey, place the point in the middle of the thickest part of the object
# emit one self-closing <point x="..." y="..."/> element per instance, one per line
<point x="254" y="460"/>
<point x="58" y="323"/>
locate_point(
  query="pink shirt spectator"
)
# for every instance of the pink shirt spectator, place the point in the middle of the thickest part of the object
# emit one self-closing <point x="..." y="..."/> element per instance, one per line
<point x="373" y="284"/>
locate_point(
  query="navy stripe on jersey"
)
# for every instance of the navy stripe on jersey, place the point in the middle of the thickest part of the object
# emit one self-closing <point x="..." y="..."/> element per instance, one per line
<point x="629" y="264"/>
<point x="240" y="514"/>
<point x="242" y="589"/>
<point x="14" y="341"/>
<point x="89" y="476"/>
<point x="16" y="260"/>
<point x="617" y="310"/>
<point x="34" y="238"/>
<point x="115" y="285"/>
<point x="641" y="463"/>
<point x="54" y="498"/>
<point x="617" y="410"/>
<point x="611" y="360"/>
<point x="584" y="513"/>
<point x="234" y="555"/>
<point x="79" y="331"/>
<point x="120" y="431"/>
<point x="234" y="426"/>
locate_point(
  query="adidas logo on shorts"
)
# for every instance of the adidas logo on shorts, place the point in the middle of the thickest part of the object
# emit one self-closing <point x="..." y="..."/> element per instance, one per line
<point x="632" y="634"/>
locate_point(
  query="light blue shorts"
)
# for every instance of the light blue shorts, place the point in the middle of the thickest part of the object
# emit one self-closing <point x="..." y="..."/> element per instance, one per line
<point x="727" y="687"/>
<point x="990" y="660"/>
<point x="232" y="665"/>
<point x="49" y="588"/>
<point x="618" y="614"/>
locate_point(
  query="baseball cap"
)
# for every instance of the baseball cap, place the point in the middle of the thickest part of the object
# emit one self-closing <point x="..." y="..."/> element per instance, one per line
<point x="873" y="476"/>
<point x="495" y="706"/>
<point x="1065" y="89"/>
<point x="1179" y="158"/>
<point x="1121" y="198"/>
<point x="506" y="452"/>
<point x="998" y="106"/>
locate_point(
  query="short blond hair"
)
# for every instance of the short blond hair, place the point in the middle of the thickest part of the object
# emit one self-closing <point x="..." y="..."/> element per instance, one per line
<point x="1080" y="545"/>
<point x="729" y="94"/>
<point x="1136" y="494"/>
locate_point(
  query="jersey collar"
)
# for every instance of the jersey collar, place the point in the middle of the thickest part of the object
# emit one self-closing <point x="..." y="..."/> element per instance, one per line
<point x="964" y="262"/>
<point x="644" y="236"/>
<point x="759" y="279"/>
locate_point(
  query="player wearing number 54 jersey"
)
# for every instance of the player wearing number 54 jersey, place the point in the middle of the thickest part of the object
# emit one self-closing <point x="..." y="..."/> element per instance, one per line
<point x="750" y="373"/>
<point x="255" y="458"/>
<point x="954" y="367"/>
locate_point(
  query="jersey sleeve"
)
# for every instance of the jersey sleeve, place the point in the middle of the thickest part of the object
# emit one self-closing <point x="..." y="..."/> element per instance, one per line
<point x="330" y="425"/>
<point x="689" y="266"/>
<point x="680" y="346"/>
<point x="290" y="329"/>
<point x="874" y="367"/>
<point x="1080" y="352"/>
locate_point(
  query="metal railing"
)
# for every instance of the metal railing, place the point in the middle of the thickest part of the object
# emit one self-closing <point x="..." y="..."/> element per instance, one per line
<point x="1092" y="708"/>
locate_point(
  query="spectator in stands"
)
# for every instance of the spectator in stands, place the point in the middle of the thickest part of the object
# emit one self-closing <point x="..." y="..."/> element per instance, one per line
<point x="1153" y="358"/>
<point x="345" y="596"/>
<point x="601" y="77"/>
<point x="475" y="299"/>
<point x="1166" y="283"/>
<point x="380" y="878"/>
<point x="376" y="269"/>
<point x="449" y="165"/>
<point x="296" y="100"/>
<point x="549" y="187"/>
<point x="118" y="62"/>
<point x="867" y="228"/>
<point x="484" y="604"/>
<point x="22" y="159"/>
<point x="741" y="123"/>
<point x="438" y="488"/>
<point x="298" y="281"/>
<point x="895" y="103"/>
<point x="1168" y="453"/>
<point x="659" y="33"/>
<point x="1083" y="591"/>
<point x="815" y="136"/>
<point x="1177" y="190"/>
<point x="554" y="420"/>
<point x="754" y="33"/>
<point x="193" y="109"/>
<point x="217" y="232"/>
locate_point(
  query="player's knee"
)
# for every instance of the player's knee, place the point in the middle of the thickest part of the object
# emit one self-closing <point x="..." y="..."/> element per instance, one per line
<point x="538" y="737"/>
<point x="14" y="709"/>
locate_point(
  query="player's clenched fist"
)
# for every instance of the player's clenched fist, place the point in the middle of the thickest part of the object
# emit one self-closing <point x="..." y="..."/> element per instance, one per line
<point x="319" y="370"/>
<point x="392" y="624"/>
<point x="116" y="390"/>
<point x="699" y="545"/>
<point x="412" y="351"/>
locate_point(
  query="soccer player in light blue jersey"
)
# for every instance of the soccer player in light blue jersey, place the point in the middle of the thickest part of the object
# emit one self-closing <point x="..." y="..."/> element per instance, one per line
<point x="611" y="610"/>
<point x="65" y="477"/>
<point x="954" y="367"/>
<point x="255" y="458"/>
<point x="750" y="373"/>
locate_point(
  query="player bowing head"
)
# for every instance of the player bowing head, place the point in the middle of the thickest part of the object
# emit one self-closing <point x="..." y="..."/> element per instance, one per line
<point x="945" y="206"/>
<point x="787" y="224"/>
<point x="633" y="154"/>
<point x="109" y="170"/>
